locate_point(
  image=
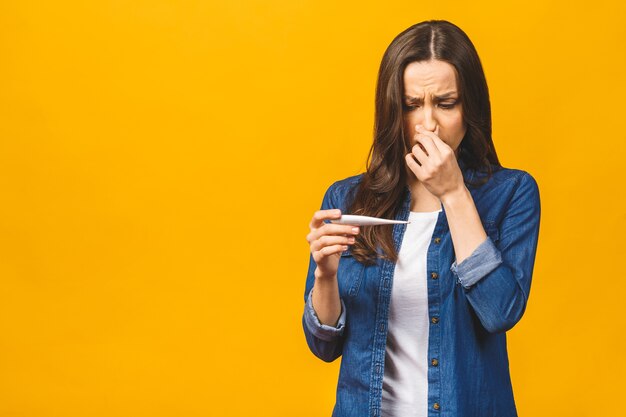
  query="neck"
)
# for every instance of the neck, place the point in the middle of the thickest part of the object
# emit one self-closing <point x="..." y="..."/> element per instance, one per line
<point x="422" y="200"/>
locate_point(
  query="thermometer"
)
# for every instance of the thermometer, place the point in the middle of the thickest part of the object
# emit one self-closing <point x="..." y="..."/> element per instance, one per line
<point x="355" y="220"/>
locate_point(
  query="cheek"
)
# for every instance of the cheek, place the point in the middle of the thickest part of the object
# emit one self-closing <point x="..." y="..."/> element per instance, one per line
<point x="452" y="131"/>
<point x="459" y="134"/>
<point x="456" y="126"/>
<point x="459" y="128"/>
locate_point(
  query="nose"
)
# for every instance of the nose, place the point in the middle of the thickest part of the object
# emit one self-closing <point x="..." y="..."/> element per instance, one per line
<point x="429" y="122"/>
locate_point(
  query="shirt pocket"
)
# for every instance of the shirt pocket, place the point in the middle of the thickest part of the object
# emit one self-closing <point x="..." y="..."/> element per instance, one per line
<point x="349" y="274"/>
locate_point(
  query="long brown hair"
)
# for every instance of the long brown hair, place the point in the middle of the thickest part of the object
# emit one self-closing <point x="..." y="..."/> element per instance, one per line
<point x="381" y="190"/>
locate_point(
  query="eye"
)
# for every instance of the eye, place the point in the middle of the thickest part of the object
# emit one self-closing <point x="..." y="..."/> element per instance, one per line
<point x="408" y="107"/>
<point x="447" y="106"/>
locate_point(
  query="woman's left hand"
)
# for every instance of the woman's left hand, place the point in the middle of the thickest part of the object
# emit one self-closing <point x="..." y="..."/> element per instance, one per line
<point x="436" y="166"/>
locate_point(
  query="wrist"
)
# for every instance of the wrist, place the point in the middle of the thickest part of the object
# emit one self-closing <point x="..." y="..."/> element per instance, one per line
<point x="456" y="196"/>
<point x="319" y="276"/>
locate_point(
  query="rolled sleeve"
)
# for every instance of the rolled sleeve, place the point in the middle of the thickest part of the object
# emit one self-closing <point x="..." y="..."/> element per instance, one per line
<point x="319" y="330"/>
<point x="485" y="258"/>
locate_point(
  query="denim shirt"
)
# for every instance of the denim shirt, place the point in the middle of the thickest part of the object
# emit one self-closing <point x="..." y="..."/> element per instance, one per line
<point x="470" y="305"/>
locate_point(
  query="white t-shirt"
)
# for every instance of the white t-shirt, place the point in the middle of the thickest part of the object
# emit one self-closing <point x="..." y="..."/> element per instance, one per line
<point x="405" y="382"/>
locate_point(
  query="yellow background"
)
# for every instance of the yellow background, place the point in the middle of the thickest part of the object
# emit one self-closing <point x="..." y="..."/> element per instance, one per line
<point x="160" y="161"/>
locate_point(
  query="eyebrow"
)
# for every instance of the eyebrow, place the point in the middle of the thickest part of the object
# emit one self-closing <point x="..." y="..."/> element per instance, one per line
<point x="439" y="97"/>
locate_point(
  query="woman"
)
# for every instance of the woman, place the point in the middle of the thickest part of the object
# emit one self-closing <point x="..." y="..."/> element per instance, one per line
<point x="419" y="312"/>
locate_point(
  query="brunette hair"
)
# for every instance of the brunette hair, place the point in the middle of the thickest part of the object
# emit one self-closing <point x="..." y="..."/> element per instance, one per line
<point x="382" y="188"/>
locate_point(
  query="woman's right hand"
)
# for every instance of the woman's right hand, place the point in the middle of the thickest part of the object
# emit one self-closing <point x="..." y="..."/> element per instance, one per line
<point x="328" y="240"/>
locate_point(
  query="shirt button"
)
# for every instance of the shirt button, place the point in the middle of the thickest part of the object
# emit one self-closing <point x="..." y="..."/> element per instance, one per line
<point x="434" y="275"/>
<point x="377" y="369"/>
<point x="436" y="406"/>
<point x="437" y="240"/>
<point x="434" y="320"/>
<point x="434" y="362"/>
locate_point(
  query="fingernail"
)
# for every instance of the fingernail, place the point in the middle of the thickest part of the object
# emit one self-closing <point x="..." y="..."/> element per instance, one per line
<point x="355" y="229"/>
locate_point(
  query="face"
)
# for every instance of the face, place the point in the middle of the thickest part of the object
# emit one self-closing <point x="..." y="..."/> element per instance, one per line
<point x="432" y="100"/>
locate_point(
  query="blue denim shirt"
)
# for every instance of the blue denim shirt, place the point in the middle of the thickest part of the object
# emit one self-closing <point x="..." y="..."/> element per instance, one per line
<point x="471" y="305"/>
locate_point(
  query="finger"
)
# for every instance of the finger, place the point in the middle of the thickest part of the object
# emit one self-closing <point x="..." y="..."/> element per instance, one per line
<point x="330" y="241"/>
<point x="326" y="251"/>
<point x="416" y="141"/>
<point x="427" y="142"/>
<point x="332" y="229"/>
<point x="435" y="140"/>
<point x="441" y="145"/>
<point x="321" y="215"/>
<point x="434" y="136"/>
<point x="413" y="165"/>
<point x="422" y="157"/>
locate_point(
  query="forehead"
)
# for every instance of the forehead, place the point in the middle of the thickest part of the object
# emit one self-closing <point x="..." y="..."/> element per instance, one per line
<point x="430" y="77"/>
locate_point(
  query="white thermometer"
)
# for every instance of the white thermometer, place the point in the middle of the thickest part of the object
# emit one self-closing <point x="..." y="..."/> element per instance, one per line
<point x="355" y="220"/>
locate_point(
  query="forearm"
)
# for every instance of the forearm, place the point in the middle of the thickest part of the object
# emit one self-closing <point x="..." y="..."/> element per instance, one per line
<point x="496" y="276"/>
<point x="465" y="225"/>
<point x="324" y="340"/>
<point x="499" y="301"/>
<point x="325" y="300"/>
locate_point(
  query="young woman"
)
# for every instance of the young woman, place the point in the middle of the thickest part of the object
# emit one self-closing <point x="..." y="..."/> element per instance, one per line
<point x="419" y="311"/>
